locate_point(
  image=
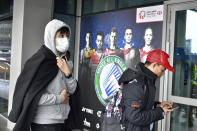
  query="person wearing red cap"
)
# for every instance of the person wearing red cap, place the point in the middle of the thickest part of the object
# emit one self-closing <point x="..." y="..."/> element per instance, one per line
<point x="138" y="95"/>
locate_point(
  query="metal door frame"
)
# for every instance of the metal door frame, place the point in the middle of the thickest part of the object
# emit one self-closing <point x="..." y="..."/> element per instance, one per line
<point x="170" y="8"/>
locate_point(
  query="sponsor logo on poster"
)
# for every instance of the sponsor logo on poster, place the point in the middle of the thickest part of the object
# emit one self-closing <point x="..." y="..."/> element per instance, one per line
<point x="99" y="113"/>
<point x="86" y="123"/>
<point x="107" y="75"/>
<point x="89" y="111"/>
<point x="149" y="14"/>
<point x="85" y="129"/>
<point x="97" y="126"/>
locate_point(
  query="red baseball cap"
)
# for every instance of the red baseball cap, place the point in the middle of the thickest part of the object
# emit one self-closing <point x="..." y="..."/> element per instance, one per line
<point x="160" y="57"/>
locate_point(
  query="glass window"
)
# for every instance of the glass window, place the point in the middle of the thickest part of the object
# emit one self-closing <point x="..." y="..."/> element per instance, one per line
<point x="130" y="3"/>
<point x="185" y="54"/>
<point x="5" y="52"/>
<point x="93" y="6"/>
<point x="184" y="118"/>
<point x="65" y="6"/>
<point x="6" y="6"/>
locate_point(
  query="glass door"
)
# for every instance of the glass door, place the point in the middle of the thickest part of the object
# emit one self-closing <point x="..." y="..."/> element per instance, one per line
<point x="182" y="38"/>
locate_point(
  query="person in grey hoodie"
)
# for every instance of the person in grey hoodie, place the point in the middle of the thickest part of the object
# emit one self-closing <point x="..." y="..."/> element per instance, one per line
<point x="42" y="90"/>
<point x="53" y="106"/>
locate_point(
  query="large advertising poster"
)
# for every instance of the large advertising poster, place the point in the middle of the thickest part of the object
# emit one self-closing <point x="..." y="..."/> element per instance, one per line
<point x="109" y="44"/>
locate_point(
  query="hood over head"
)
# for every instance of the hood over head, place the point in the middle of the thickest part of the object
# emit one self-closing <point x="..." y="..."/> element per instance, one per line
<point x="50" y="31"/>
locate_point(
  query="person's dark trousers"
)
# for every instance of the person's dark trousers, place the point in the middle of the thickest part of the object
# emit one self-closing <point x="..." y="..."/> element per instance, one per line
<point x="47" y="127"/>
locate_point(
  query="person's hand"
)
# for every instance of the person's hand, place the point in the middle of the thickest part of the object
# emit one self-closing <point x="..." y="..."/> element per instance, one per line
<point x="62" y="64"/>
<point x="166" y="104"/>
<point x="167" y="107"/>
<point x="64" y="97"/>
<point x="166" y="110"/>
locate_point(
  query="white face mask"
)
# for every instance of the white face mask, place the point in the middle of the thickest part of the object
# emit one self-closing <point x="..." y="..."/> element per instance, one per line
<point x="62" y="44"/>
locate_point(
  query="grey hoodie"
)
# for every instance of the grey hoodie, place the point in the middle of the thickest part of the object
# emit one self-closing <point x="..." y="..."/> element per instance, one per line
<point x="50" y="110"/>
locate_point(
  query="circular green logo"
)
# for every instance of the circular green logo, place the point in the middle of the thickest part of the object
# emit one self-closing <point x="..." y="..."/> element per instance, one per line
<point x="107" y="75"/>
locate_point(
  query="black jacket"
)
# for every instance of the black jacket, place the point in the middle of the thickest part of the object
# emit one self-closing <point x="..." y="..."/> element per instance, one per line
<point x="38" y="71"/>
<point x="138" y="99"/>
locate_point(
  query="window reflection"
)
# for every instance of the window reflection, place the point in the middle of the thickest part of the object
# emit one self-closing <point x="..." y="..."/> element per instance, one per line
<point x="130" y="3"/>
<point x="65" y="7"/>
<point x="185" y="54"/>
<point x="5" y="52"/>
<point x="93" y="6"/>
<point x="184" y="118"/>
